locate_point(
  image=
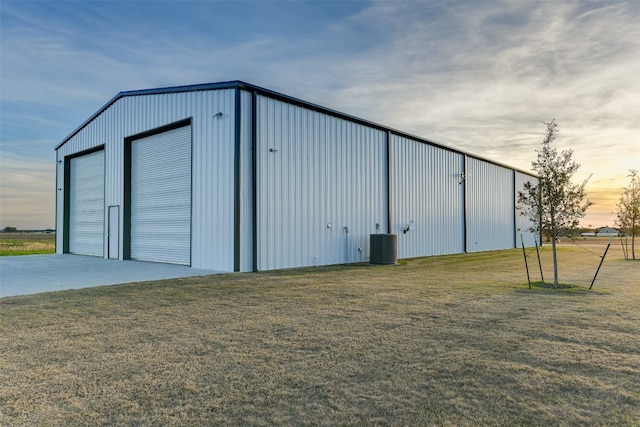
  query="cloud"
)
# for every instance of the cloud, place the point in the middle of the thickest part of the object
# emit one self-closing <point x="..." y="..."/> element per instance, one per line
<point x="476" y="75"/>
<point x="486" y="85"/>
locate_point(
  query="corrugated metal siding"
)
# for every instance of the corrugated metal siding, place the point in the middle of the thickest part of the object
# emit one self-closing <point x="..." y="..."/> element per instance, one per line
<point x="490" y="206"/>
<point x="522" y="222"/>
<point x="213" y="180"/>
<point x="213" y="165"/>
<point x="321" y="187"/>
<point x="426" y="189"/>
<point x="327" y="171"/>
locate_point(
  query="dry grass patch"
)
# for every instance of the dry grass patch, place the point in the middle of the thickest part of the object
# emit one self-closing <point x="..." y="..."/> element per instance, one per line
<point x="27" y="243"/>
<point x="452" y="340"/>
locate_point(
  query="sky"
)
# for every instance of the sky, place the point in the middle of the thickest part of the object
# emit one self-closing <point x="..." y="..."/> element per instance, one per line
<point x="477" y="75"/>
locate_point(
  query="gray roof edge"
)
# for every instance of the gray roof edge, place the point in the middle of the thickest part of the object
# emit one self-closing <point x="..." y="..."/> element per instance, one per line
<point x="155" y="91"/>
<point x="238" y="84"/>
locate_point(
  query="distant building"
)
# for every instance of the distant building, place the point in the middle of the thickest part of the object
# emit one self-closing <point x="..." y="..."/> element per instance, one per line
<point x="233" y="177"/>
<point x="607" y="232"/>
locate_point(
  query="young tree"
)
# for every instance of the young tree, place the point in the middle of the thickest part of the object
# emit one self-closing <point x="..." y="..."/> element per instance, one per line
<point x="554" y="204"/>
<point x="629" y="209"/>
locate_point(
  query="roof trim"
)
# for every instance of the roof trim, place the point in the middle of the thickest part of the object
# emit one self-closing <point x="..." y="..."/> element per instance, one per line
<point x="237" y="84"/>
<point x="156" y="91"/>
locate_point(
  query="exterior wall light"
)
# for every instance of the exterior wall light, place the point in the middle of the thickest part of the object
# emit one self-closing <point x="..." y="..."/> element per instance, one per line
<point x="408" y="227"/>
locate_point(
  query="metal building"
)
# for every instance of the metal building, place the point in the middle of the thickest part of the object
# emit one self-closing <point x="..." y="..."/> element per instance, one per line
<point x="233" y="177"/>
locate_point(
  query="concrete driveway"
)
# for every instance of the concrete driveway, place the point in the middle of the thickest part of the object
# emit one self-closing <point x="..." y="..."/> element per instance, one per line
<point x="32" y="274"/>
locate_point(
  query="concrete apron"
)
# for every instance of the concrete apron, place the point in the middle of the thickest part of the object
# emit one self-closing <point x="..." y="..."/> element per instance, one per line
<point x="32" y="274"/>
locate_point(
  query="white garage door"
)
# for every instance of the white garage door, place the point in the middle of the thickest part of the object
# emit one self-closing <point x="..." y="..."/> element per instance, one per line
<point x="86" y="204"/>
<point x="161" y="197"/>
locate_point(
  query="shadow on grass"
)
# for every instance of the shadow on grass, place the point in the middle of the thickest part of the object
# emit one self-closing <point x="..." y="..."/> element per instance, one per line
<point x="563" y="288"/>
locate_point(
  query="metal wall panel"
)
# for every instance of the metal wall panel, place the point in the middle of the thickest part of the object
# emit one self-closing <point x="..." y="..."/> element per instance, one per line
<point x="213" y="162"/>
<point x="213" y="179"/>
<point x="86" y="205"/>
<point x="490" y="206"/>
<point x="426" y="192"/>
<point x="161" y="197"/>
<point x="523" y="224"/>
<point x="321" y="187"/>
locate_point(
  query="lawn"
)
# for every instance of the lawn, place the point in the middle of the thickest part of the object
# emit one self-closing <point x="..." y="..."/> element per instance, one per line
<point x="449" y="340"/>
<point x="27" y="243"/>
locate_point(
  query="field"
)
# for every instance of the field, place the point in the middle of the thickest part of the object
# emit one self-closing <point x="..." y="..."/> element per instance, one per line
<point x="27" y="243"/>
<point x="450" y="340"/>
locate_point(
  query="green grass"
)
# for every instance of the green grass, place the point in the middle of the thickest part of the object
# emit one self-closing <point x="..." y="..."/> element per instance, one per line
<point x="27" y="243"/>
<point x="449" y="340"/>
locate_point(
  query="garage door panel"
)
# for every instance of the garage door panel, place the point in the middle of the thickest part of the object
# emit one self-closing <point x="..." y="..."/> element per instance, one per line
<point x="161" y="197"/>
<point x="86" y="204"/>
<point x="155" y="195"/>
<point x="149" y="218"/>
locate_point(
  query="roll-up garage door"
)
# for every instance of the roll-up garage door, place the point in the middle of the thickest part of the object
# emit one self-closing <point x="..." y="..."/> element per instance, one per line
<point x="161" y="197"/>
<point x="86" y="204"/>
